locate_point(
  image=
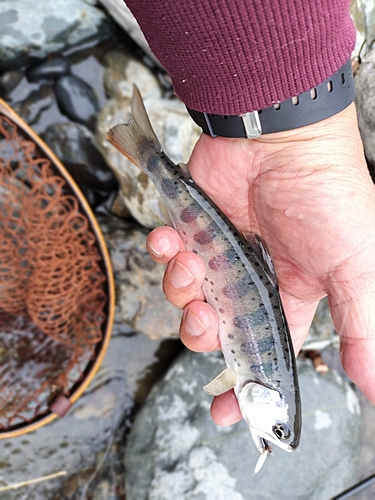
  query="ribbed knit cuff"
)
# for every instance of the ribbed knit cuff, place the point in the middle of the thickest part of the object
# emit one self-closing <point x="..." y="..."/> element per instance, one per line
<point x="234" y="56"/>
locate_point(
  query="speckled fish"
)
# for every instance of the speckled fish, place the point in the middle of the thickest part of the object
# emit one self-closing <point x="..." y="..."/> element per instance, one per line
<point x="240" y="284"/>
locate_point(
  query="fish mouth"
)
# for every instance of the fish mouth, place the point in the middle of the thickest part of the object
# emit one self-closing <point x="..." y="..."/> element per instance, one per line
<point x="262" y="440"/>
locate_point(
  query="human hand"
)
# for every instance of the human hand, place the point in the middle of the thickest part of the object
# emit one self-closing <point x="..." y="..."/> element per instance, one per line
<point x="308" y="194"/>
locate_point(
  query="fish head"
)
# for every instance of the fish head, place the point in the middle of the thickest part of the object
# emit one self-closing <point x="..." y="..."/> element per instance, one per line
<point x="270" y="418"/>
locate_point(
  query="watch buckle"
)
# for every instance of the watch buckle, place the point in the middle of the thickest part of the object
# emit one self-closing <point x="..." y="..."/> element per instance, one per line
<point x="252" y="124"/>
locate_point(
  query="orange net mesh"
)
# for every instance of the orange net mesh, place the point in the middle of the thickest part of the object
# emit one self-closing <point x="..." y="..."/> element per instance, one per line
<point x="52" y="298"/>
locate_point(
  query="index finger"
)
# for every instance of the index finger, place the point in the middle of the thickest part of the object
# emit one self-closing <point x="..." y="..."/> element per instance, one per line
<point x="164" y="243"/>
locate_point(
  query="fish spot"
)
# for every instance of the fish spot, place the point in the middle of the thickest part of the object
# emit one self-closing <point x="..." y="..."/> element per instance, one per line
<point x="206" y="236"/>
<point x="205" y="279"/>
<point x="194" y="251"/>
<point x="250" y="320"/>
<point x="233" y="351"/>
<point x="170" y="188"/>
<point x="230" y="336"/>
<point x="212" y="283"/>
<point x="239" y="288"/>
<point x="224" y="323"/>
<point x="221" y="311"/>
<point x="238" y="364"/>
<point x="270" y="294"/>
<point x="222" y="262"/>
<point x="190" y="213"/>
<point x="152" y="163"/>
<point x="216" y="299"/>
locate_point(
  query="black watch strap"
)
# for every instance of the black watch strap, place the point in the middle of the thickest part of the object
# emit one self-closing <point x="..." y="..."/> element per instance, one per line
<point x="327" y="99"/>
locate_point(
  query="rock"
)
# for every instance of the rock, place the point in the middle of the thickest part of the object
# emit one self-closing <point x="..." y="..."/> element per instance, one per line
<point x="49" y="70"/>
<point x="175" y="451"/>
<point x="123" y="16"/>
<point x="122" y="71"/>
<point x="365" y="102"/>
<point x="177" y="134"/>
<point x="363" y="14"/>
<point x="76" y="99"/>
<point x="322" y="333"/>
<point x="9" y="81"/>
<point x="80" y="451"/>
<point x="140" y="302"/>
<point x="75" y="147"/>
<point x="30" y="30"/>
<point x="33" y="106"/>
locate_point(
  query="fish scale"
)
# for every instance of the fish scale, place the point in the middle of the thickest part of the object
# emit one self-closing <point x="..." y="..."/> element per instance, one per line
<point x="241" y="286"/>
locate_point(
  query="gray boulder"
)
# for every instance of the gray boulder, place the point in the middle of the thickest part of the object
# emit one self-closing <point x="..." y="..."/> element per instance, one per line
<point x="175" y="451"/>
<point x="31" y="30"/>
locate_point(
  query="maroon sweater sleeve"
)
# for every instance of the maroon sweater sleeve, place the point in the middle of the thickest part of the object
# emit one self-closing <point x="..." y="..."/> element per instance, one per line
<point x="233" y="56"/>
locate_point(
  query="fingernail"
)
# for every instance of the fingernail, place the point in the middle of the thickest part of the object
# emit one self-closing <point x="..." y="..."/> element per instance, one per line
<point x="193" y="324"/>
<point x="164" y="247"/>
<point x="181" y="276"/>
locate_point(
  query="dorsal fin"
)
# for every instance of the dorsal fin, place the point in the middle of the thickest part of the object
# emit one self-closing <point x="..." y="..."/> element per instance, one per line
<point x="262" y="254"/>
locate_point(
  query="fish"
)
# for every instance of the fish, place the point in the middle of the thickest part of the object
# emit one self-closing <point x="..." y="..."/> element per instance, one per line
<point x="240" y="284"/>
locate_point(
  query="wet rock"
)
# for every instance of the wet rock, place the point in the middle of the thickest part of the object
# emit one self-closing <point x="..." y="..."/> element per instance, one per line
<point x="76" y="99"/>
<point x="177" y="134"/>
<point x="9" y="81"/>
<point x="75" y="146"/>
<point x="77" y="455"/>
<point x="365" y="101"/>
<point x="363" y="14"/>
<point x="322" y="333"/>
<point x="32" y="29"/>
<point x="33" y="106"/>
<point x="123" y="16"/>
<point x="175" y="450"/>
<point x="140" y="302"/>
<point x="49" y="70"/>
<point x="122" y="71"/>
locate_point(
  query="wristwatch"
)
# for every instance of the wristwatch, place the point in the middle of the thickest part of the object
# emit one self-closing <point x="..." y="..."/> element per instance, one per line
<point x="325" y="100"/>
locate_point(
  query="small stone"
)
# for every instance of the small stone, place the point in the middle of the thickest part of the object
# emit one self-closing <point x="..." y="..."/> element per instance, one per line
<point x="75" y="147"/>
<point x="49" y="70"/>
<point x="76" y="99"/>
<point x="37" y="102"/>
<point x="9" y="81"/>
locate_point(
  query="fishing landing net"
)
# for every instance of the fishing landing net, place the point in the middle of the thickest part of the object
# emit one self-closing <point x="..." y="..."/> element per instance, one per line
<point x="52" y="293"/>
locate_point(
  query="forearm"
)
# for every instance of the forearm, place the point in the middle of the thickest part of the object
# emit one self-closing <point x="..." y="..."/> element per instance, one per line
<point x="234" y="56"/>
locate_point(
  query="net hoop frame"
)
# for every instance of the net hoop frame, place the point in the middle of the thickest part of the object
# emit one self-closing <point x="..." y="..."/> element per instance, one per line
<point x="85" y="208"/>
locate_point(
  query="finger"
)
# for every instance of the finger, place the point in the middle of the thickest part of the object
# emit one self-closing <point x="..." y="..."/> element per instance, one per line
<point x="354" y="320"/>
<point x="199" y="327"/>
<point x="164" y="243"/>
<point x="225" y="410"/>
<point x="183" y="279"/>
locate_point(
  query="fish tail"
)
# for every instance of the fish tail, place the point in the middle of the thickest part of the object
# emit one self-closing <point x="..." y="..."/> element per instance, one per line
<point x="127" y="137"/>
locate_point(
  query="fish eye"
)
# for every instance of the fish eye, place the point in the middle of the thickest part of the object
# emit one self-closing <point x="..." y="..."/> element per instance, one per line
<point x="282" y="431"/>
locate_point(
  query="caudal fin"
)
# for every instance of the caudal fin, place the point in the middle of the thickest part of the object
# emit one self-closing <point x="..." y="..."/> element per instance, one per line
<point x="128" y="137"/>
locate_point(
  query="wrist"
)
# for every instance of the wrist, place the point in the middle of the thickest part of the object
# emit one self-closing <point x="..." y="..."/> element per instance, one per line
<point x="323" y="101"/>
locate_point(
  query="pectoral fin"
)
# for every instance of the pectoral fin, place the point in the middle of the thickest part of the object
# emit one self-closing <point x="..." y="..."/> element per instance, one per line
<point x="222" y="383"/>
